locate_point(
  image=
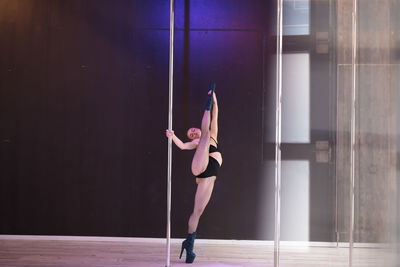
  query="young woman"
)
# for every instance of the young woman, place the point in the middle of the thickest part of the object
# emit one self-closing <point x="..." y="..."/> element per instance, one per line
<point x="206" y="162"/>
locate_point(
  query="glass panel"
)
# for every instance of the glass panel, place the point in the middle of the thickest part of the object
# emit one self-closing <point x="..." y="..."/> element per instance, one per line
<point x="376" y="197"/>
<point x="309" y="132"/>
<point x="316" y="135"/>
<point x="376" y="165"/>
<point x="377" y="130"/>
<point x="296" y="98"/>
<point x="296" y="17"/>
<point x="295" y="209"/>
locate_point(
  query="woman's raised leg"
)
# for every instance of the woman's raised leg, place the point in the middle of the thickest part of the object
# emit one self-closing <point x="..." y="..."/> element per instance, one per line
<point x="200" y="158"/>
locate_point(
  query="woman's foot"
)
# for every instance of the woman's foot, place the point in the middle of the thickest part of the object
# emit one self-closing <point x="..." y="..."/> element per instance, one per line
<point x="188" y="244"/>
<point x="209" y="101"/>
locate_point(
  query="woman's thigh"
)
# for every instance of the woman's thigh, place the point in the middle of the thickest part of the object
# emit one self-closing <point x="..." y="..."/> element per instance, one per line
<point x="204" y="190"/>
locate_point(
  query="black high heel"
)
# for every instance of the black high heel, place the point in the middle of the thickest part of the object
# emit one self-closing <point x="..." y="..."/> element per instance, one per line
<point x="188" y="245"/>
<point x="209" y="101"/>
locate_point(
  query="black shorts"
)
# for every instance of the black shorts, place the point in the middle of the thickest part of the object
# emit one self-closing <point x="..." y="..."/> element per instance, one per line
<point x="212" y="168"/>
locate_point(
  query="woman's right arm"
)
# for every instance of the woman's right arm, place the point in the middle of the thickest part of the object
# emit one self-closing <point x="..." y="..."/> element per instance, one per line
<point x="180" y="144"/>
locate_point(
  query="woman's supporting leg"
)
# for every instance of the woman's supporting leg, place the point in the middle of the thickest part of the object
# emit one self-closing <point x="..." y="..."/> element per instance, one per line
<point x="203" y="195"/>
<point x="200" y="158"/>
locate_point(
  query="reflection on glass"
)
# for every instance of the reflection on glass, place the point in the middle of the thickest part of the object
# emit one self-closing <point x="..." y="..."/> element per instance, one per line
<point x="295" y="212"/>
<point x="296" y="17"/>
<point x="306" y="79"/>
<point x="377" y="166"/>
<point x="296" y="98"/>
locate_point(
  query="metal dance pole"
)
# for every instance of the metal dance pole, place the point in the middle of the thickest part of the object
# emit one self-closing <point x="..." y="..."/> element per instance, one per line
<point x="171" y="87"/>
<point x="278" y="132"/>
<point x="353" y="128"/>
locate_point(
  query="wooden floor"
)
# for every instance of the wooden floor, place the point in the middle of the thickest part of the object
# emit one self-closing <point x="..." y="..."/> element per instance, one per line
<point x="151" y="252"/>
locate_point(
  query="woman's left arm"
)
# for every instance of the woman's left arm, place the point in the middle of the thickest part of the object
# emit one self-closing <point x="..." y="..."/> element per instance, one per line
<point x="214" y="119"/>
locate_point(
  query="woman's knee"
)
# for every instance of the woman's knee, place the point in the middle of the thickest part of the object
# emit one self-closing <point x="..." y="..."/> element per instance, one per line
<point x="197" y="170"/>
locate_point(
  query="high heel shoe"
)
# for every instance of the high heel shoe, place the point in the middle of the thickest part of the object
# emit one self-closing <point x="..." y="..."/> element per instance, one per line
<point x="188" y="245"/>
<point x="209" y="101"/>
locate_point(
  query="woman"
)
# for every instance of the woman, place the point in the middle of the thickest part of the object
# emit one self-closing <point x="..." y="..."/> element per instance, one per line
<point x="206" y="162"/>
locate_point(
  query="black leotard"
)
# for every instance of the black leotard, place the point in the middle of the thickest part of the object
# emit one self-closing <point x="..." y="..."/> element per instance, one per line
<point x="214" y="148"/>
<point x="213" y="165"/>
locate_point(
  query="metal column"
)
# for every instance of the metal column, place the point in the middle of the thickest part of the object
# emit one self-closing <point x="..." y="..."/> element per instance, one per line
<point x="171" y="80"/>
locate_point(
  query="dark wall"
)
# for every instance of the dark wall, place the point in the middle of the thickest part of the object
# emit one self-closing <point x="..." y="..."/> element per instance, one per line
<point x="84" y="108"/>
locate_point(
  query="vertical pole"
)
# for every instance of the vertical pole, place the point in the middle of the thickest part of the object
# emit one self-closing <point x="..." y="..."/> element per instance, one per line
<point x="278" y="132"/>
<point x="171" y="76"/>
<point x="353" y="128"/>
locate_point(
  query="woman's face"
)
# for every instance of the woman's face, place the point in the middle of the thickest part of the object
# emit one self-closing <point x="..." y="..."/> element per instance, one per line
<point x="194" y="133"/>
